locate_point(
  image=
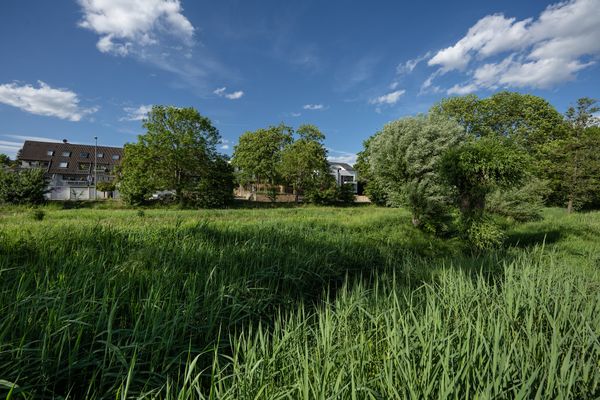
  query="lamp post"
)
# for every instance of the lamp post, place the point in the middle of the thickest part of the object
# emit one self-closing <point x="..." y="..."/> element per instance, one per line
<point x="96" y="168"/>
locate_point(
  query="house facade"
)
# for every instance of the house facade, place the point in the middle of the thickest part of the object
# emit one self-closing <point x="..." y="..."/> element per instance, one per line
<point x="344" y="174"/>
<point x="69" y="167"/>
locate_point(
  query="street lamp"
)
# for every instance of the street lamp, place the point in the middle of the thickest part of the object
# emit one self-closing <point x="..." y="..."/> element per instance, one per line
<point x="96" y="168"/>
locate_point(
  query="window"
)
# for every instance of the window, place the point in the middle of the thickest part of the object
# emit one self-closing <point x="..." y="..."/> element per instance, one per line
<point x="115" y="157"/>
<point x="63" y="164"/>
<point x="84" y="166"/>
<point x="100" y="155"/>
<point x="50" y="152"/>
<point x="102" y="167"/>
<point x="84" y="155"/>
<point x="66" y="154"/>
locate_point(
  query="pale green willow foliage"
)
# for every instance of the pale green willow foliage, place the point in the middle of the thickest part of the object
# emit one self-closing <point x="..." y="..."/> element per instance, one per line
<point x="404" y="157"/>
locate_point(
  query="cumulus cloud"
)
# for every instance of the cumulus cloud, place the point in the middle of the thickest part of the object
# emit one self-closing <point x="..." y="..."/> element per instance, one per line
<point x="44" y="100"/>
<point x="136" y="113"/>
<point x="314" y="107"/>
<point x="537" y="53"/>
<point x="389" y="98"/>
<point x="222" y="92"/>
<point x="128" y="25"/>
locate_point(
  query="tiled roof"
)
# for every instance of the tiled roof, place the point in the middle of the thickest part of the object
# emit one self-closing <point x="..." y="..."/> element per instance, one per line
<point x="38" y="151"/>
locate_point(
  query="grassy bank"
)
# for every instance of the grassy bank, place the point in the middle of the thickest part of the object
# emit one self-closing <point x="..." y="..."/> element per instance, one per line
<point x="293" y="303"/>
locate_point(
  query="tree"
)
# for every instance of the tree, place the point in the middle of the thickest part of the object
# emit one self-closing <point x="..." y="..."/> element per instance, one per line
<point x="373" y="188"/>
<point x="529" y="120"/>
<point x="5" y="160"/>
<point x="215" y="188"/>
<point x="24" y="187"/>
<point x="573" y="164"/>
<point x="176" y="152"/>
<point x="404" y="158"/>
<point x="304" y="162"/>
<point x="258" y="154"/>
<point x="106" y="186"/>
<point x="480" y="166"/>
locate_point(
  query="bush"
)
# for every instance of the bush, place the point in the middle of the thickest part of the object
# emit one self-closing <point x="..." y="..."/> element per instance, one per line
<point x="214" y="190"/>
<point x="483" y="234"/>
<point x="345" y="194"/>
<point x="521" y="204"/>
<point x="24" y="187"/>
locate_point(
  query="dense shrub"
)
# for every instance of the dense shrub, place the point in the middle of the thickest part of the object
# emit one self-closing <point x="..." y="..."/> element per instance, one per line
<point x="24" y="187"/>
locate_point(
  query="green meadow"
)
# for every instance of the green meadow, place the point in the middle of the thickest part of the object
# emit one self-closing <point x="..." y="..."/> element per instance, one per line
<point x="294" y="303"/>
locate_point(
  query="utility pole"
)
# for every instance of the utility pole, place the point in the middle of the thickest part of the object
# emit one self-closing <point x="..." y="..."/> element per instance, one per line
<point x="96" y="168"/>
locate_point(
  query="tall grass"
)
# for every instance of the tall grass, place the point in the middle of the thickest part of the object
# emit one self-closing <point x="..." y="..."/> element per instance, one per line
<point x="292" y="303"/>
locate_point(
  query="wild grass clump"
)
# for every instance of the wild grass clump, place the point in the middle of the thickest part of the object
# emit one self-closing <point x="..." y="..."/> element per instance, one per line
<point x="300" y="302"/>
<point x="37" y="214"/>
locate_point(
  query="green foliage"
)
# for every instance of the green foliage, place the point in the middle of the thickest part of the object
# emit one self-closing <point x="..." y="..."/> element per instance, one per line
<point x="529" y="120"/>
<point x="523" y="203"/>
<point x="176" y="153"/>
<point x="215" y="188"/>
<point x="572" y="164"/>
<point x="106" y="186"/>
<point x="403" y="158"/>
<point x="258" y="154"/>
<point x="304" y="162"/>
<point x="346" y="194"/>
<point x="480" y="166"/>
<point x="5" y="160"/>
<point x="373" y="188"/>
<point x="23" y="187"/>
<point x="482" y="234"/>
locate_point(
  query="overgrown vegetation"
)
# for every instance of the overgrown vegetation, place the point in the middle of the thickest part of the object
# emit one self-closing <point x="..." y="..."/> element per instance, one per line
<point x="297" y="303"/>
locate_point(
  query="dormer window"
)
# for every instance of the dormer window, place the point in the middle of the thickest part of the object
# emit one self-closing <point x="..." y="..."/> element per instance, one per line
<point x="84" y="155"/>
<point x="50" y="153"/>
<point x="66" y="154"/>
<point x="63" y="164"/>
<point x="115" y="157"/>
<point x="100" y="155"/>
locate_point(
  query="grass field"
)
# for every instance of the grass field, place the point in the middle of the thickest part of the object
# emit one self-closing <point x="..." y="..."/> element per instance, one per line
<point x="308" y="303"/>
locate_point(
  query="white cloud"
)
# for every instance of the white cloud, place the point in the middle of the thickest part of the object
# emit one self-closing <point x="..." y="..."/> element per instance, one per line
<point x="136" y="113"/>
<point x="44" y="100"/>
<point x="313" y="107"/>
<point x="295" y="114"/>
<point x="221" y="92"/>
<point x="34" y="138"/>
<point x="408" y="66"/>
<point x="341" y="156"/>
<point x="128" y="25"/>
<point x="542" y="52"/>
<point x="390" y="98"/>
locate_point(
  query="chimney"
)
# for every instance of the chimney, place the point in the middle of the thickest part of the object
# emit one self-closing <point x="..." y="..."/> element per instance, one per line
<point x="65" y="141"/>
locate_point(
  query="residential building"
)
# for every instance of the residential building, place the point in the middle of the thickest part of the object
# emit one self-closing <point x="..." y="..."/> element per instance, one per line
<point x="70" y="167"/>
<point x="344" y="174"/>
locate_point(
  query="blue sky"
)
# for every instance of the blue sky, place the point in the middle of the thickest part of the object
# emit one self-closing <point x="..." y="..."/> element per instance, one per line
<point x="77" y="69"/>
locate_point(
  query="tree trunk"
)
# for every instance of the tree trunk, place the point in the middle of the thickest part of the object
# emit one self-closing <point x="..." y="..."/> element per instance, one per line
<point x="570" y="205"/>
<point x="416" y="221"/>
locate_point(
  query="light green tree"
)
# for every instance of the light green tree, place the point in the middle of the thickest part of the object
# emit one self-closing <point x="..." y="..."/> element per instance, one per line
<point x="404" y="158"/>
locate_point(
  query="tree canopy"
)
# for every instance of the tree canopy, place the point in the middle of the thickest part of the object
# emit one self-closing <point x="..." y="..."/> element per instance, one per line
<point x="177" y="152"/>
<point x="403" y="157"/>
<point x="258" y="153"/>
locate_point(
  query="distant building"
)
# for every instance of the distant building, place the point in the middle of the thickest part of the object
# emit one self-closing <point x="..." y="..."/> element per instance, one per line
<point x="70" y="167"/>
<point x="344" y="174"/>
